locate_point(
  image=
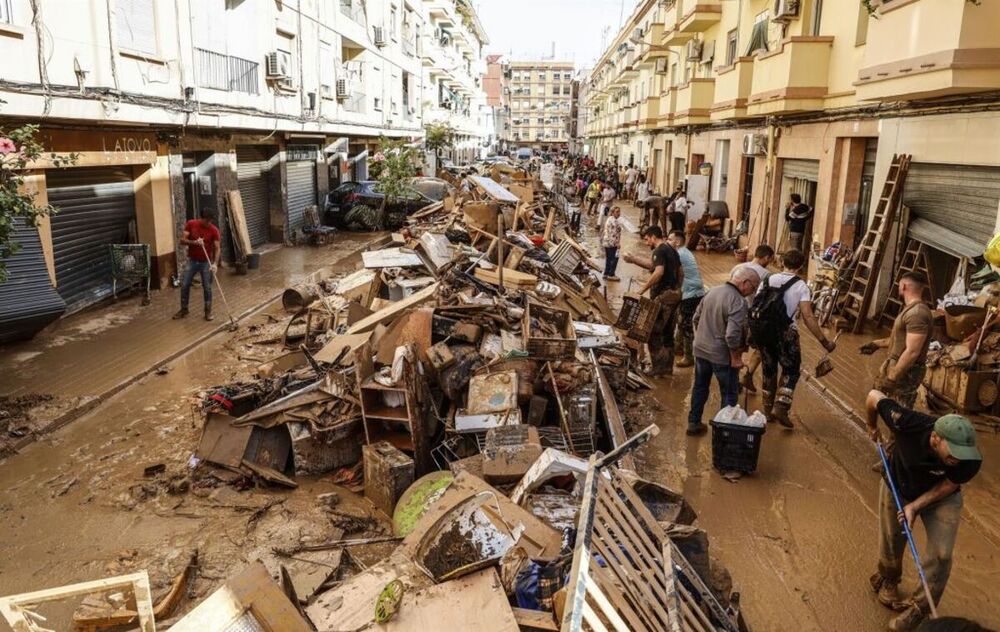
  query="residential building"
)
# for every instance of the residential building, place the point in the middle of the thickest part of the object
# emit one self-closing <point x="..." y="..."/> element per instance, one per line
<point x="170" y="106"/>
<point x="496" y="99"/>
<point x="774" y="97"/>
<point x="540" y="94"/>
<point x="453" y="94"/>
<point x="578" y="113"/>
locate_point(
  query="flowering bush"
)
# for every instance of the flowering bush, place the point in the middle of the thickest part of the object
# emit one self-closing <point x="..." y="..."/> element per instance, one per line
<point x="18" y="148"/>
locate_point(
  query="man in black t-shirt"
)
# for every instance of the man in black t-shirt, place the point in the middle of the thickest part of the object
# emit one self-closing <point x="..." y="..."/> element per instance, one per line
<point x="930" y="460"/>
<point x="797" y="215"/>
<point x="664" y="288"/>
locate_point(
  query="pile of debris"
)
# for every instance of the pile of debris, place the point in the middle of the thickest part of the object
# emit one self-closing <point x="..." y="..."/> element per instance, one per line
<point x="467" y="380"/>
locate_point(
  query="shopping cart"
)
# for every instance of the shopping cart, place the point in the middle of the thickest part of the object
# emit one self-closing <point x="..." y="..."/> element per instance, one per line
<point x="130" y="267"/>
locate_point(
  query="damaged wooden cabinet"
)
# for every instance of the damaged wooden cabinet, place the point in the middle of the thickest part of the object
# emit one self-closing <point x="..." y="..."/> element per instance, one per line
<point x="395" y="413"/>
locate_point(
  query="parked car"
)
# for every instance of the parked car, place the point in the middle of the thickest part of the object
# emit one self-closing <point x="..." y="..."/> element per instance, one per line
<point x="356" y="205"/>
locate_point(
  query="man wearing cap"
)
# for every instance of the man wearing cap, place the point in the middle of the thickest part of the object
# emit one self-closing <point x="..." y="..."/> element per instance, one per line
<point x="929" y="461"/>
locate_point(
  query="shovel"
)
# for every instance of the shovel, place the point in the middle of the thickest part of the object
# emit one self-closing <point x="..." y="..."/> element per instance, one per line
<point x="825" y="366"/>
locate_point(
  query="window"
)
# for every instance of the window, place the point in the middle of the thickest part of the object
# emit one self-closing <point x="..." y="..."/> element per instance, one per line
<point x="136" y="25"/>
<point x="732" y="41"/>
<point x="567" y="90"/>
<point x="6" y="14"/>
<point x="285" y="59"/>
<point x="378" y="104"/>
<point x="817" y="17"/>
<point x="541" y="77"/>
<point x="393" y="24"/>
<point x="326" y="76"/>
<point x="861" y="35"/>
<point x="758" y="37"/>
<point x="555" y="90"/>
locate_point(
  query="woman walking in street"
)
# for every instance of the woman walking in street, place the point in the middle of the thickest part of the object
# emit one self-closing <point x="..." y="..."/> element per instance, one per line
<point x="611" y="240"/>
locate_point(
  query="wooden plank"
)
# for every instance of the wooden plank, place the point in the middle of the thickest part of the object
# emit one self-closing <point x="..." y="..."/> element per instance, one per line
<point x="393" y="310"/>
<point x="645" y="594"/>
<point x="549" y="222"/>
<point x="494" y="190"/>
<point x="13" y="607"/>
<point x="535" y="619"/>
<point x="598" y="577"/>
<point x="238" y="223"/>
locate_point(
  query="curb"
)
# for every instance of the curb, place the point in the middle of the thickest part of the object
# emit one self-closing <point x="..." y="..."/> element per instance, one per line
<point x="79" y="411"/>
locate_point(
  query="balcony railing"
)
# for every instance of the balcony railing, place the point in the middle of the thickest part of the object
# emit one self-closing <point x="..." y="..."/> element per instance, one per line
<point x="225" y="72"/>
<point x="353" y="9"/>
<point x="794" y="78"/>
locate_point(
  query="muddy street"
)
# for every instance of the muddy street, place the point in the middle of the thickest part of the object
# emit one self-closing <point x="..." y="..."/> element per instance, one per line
<point x="798" y="537"/>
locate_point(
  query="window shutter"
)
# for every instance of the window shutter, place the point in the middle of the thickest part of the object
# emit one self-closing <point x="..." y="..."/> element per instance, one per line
<point x="136" y="25"/>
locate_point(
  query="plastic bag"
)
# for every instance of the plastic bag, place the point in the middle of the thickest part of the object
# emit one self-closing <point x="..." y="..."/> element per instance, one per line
<point x="731" y="415"/>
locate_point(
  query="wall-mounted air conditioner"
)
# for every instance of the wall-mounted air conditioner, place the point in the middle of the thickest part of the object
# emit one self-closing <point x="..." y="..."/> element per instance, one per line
<point x="277" y="65"/>
<point x="379" y="36"/>
<point x="342" y="88"/>
<point x="754" y="145"/>
<point x="785" y="10"/>
<point x="693" y="50"/>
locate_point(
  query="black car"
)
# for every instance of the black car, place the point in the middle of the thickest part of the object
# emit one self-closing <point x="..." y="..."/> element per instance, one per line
<point x="356" y="205"/>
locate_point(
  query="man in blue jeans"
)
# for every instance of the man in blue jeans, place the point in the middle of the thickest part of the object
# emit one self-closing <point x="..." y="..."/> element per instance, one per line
<point x="204" y="248"/>
<point x="720" y="332"/>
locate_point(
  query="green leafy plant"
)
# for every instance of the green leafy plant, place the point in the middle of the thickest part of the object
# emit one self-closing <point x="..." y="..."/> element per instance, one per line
<point x="19" y="147"/>
<point x="393" y="165"/>
<point x="438" y="137"/>
<point x="872" y="5"/>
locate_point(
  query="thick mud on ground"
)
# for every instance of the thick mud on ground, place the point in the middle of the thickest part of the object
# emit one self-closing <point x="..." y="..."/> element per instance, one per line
<point x="799" y="536"/>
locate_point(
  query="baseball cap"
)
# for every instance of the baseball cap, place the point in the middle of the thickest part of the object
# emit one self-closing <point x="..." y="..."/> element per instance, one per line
<point x="958" y="433"/>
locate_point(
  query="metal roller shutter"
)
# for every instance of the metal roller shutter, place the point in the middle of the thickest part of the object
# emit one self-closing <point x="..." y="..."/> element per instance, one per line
<point x="251" y="173"/>
<point x="95" y="207"/>
<point x="964" y="199"/>
<point x="801" y="169"/>
<point x="301" y="192"/>
<point x="28" y="302"/>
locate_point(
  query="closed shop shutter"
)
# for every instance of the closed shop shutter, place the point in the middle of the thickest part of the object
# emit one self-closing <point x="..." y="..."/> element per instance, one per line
<point x="95" y="207"/>
<point x="28" y="302"/>
<point x="301" y="191"/>
<point x="964" y="199"/>
<point x="800" y="169"/>
<point x="251" y="172"/>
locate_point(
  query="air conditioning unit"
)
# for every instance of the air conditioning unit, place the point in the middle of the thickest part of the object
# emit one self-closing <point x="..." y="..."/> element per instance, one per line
<point x="277" y="65"/>
<point x="785" y="10"/>
<point x="379" y="36"/>
<point x="637" y="35"/>
<point x="342" y="88"/>
<point x="693" y="50"/>
<point x="661" y="66"/>
<point x="754" y="145"/>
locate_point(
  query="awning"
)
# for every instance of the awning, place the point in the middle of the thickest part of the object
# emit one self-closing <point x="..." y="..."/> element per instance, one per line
<point x="946" y="240"/>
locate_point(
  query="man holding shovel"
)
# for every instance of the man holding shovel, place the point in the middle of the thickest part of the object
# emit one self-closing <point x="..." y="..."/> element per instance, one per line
<point x="203" y="240"/>
<point x="903" y="371"/>
<point x="929" y="461"/>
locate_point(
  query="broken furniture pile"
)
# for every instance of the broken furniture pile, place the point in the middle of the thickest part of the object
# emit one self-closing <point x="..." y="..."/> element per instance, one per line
<point x="467" y="380"/>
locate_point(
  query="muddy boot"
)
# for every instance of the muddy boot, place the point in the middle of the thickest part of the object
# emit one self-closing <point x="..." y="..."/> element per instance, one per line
<point x="659" y="366"/>
<point x="208" y="313"/>
<point x="887" y="592"/>
<point x="767" y="403"/>
<point x="688" y="354"/>
<point x="696" y="430"/>
<point x="782" y="408"/>
<point x="685" y="362"/>
<point x="746" y="381"/>
<point x="181" y="314"/>
<point x="908" y="620"/>
<point x="668" y="361"/>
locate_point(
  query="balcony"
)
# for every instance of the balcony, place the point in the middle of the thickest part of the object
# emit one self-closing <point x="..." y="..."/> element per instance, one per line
<point x="949" y="48"/>
<point x="650" y="48"/>
<point x="792" y="78"/>
<point x="353" y="9"/>
<point x="697" y="15"/>
<point x="225" y="72"/>
<point x="668" y="104"/>
<point x="442" y="10"/>
<point x="694" y="102"/>
<point x="732" y="90"/>
<point x="649" y="113"/>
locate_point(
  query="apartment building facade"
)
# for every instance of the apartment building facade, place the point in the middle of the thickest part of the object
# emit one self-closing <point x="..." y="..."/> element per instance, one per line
<point x="453" y="68"/>
<point x="169" y="105"/>
<point x="774" y="97"/>
<point x="496" y="100"/>
<point x="540" y="94"/>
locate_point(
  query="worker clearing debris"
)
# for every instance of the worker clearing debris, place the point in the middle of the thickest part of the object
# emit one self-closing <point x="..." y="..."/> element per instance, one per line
<point x="931" y="458"/>
<point x="664" y="288"/>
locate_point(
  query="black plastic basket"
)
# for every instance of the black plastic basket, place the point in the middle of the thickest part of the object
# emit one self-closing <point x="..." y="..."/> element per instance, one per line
<point x="735" y="448"/>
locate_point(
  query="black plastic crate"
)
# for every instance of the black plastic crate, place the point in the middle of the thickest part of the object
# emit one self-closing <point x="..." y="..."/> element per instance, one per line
<point x="735" y="448"/>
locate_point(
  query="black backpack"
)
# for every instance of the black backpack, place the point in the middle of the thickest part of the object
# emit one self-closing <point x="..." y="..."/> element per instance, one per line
<point x="768" y="316"/>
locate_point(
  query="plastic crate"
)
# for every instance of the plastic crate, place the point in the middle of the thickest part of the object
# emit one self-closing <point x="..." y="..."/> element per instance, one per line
<point x="735" y="448"/>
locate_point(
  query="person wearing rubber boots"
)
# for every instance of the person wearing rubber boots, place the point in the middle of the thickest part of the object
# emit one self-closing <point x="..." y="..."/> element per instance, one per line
<point x="903" y="371"/>
<point x="786" y="353"/>
<point x="203" y="241"/>
<point x="692" y="291"/>
<point x="664" y="288"/>
<point x="931" y="459"/>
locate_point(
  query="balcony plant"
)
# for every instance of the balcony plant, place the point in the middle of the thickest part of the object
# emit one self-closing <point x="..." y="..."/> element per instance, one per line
<point x="19" y="147"/>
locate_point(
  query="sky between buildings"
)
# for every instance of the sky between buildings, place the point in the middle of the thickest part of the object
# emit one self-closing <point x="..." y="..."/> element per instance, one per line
<point x="526" y="29"/>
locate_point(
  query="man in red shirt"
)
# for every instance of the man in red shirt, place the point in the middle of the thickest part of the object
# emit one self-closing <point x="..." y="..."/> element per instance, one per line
<point x="203" y="240"/>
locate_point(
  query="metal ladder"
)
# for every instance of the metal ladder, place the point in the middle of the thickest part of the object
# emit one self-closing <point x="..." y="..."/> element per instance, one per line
<point x="914" y="259"/>
<point x="870" y="253"/>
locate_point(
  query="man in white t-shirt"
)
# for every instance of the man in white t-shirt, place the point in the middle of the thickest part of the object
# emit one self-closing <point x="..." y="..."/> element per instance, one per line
<point x="763" y="256"/>
<point x="786" y="352"/>
<point x="631" y="176"/>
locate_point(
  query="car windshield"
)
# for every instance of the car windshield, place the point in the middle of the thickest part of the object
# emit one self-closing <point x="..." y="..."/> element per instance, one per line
<point x="433" y="189"/>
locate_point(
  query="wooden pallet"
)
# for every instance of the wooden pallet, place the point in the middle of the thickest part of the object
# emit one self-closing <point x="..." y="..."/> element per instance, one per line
<point x="861" y="291"/>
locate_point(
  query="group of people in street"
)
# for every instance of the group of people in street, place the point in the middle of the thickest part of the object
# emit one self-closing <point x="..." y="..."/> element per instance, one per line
<point x="713" y="330"/>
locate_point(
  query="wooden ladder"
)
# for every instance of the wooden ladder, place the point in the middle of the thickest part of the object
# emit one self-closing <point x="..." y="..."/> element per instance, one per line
<point x="870" y="253"/>
<point x="914" y="259"/>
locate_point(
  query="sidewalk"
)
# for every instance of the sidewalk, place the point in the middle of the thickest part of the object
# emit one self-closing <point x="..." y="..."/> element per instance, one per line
<point x="85" y="358"/>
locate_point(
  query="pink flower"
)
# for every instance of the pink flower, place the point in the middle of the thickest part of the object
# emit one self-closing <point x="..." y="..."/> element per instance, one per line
<point x="379" y="157"/>
<point x="7" y="146"/>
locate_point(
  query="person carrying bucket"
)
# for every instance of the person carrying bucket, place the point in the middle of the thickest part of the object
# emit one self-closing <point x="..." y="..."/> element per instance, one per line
<point x="926" y="466"/>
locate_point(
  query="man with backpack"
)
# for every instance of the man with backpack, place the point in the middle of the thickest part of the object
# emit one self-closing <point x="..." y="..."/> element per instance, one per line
<point x="775" y="333"/>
